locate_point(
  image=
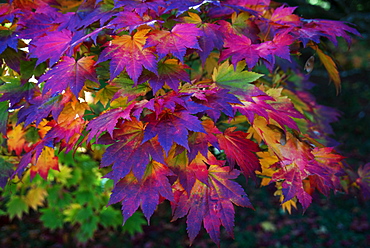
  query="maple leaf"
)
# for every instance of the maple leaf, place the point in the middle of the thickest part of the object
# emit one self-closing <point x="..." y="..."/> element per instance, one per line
<point x="16" y="139"/>
<point x="188" y="172"/>
<point x="172" y="101"/>
<point x="66" y="134"/>
<point x="171" y="127"/>
<point x="39" y="24"/>
<point x="4" y="116"/>
<point x="253" y="104"/>
<point x="283" y="109"/>
<point x="127" y="20"/>
<point x="8" y="37"/>
<point x="284" y="15"/>
<point x="145" y="193"/>
<point x="15" y="91"/>
<point x="239" y="150"/>
<point x="68" y="128"/>
<point x="330" y="66"/>
<point x="128" y="52"/>
<point x="123" y="86"/>
<point x="108" y="121"/>
<point x="6" y="171"/>
<point x="210" y="202"/>
<point x="328" y="165"/>
<point x="176" y="41"/>
<point x="211" y="36"/>
<point x="41" y="106"/>
<point x="240" y="47"/>
<point x="75" y="73"/>
<point x="364" y="180"/>
<point x="267" y="162"/>
<point x="51" y="46"/>
<point x="216" y="99"/>
<point x="295" y="159"/>
<point x="199" y="142"/>
<point x="140" y="7"/>
<point x="129" y="151"/>
<point x="279" y="46"/>
<point x="330" y="29"/>
<point x="293" y="185"/>
<point x="170" y="71"/>
<point x="234" y="80"/>
<point x="35" y="197"/>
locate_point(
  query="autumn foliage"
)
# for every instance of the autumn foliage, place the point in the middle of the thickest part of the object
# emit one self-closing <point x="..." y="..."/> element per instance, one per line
<point x="183" y="96"/>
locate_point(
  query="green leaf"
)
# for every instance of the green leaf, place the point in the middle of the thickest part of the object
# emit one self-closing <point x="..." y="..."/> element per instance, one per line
<point x="84" y="214"/>
<point x="57" y="197"/>
<point x="3" y="116"/>
<point x="16" y="207"/>
<point x="134" y="224"/>
<point x="226" y="77"/>
<point x="87" y="229"/>
<point x="110" y="217"/>
<point x="28" y="68"/>
<point x="6" y="169"/>
<point x="84" y="196"/>
<point x="52" y="218"/>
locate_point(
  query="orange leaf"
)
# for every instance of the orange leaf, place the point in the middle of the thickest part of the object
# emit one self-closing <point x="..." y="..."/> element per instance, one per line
<point x="16" y="140"/>
<point x="46" y="161"/>
<point x="330" y="66"/>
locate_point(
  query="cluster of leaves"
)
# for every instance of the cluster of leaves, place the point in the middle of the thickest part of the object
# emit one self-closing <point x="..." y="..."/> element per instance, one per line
<point x="76" y="196"/>
<point x="185" y="95"/>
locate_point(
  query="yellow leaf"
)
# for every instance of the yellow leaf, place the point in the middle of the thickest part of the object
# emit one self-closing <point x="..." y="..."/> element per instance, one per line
<point x="16" y="140"/>
<point x="70" y="212"/>
<point x="71" y="111"/>
<point x="266" y="160"/>
<point x="35" y="197"/>
<point x="105" y="94"/>
<point x="329" y="64"/>
<point x="287" y="206"/>
<point x="63" y="174"/>
<point x="193" y="18"/>
<point x="119" y="102"/>
<point x="132" y="42"/>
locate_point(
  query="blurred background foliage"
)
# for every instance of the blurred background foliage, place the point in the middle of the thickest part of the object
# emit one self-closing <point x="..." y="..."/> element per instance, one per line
<point x="72" y="209"/>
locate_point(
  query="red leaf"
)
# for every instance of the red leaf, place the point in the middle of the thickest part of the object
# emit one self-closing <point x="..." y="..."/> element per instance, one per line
<point x="145" y="193"/>
<point x="75" y="73"/>
<point x="239" y="150"/>
<point x="211" y="202"/>
<point x="200" y="142"/>
<point x="46" y="161"/>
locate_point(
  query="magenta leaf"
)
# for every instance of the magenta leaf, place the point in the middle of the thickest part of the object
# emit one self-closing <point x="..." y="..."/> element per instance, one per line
<point x="75" y="73"/>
